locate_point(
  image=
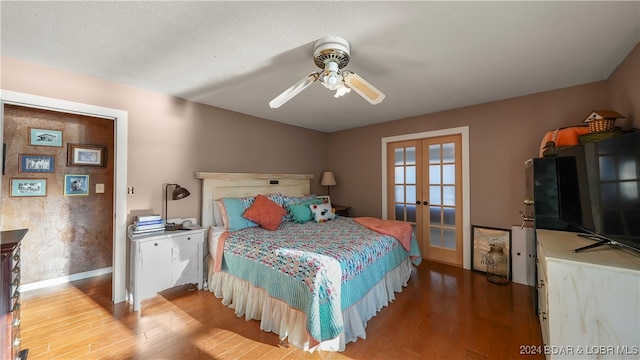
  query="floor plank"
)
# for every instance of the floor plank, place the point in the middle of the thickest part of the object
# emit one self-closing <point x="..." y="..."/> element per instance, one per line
<point x="444" y="313"/>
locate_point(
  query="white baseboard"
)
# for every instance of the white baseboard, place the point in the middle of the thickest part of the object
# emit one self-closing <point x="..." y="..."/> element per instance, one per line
<point x="65" y="279"/>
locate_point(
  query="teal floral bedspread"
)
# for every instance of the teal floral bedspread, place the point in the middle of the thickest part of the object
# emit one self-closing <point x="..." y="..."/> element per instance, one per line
<point x="318" y="268"/>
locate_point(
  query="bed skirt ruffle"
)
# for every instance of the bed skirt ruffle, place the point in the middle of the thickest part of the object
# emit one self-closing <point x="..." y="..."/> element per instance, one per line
<point x="290" y="324"/>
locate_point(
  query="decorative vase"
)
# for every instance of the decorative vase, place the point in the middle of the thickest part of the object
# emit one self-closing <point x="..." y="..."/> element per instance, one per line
<point x="497" y="265"/>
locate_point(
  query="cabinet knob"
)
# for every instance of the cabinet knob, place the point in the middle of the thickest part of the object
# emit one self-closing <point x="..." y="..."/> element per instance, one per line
<point x="155" y="244"/>
<point x="189" y="238"/>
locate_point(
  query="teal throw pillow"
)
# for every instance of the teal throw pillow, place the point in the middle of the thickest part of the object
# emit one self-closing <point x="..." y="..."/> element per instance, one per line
<point x="301" y="213"/>
<point x="235" y="208"/>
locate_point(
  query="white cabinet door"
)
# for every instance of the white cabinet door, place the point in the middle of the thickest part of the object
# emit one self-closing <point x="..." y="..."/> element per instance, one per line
<point x="155" y="272"/>
<point x="185" y="259"/>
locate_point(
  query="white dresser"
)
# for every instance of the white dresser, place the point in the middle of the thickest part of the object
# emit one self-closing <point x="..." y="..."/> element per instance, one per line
<point x="588" y="302"/>
<point x="161" y="261"/>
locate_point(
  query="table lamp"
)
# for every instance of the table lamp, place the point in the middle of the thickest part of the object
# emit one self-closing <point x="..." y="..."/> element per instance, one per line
<point x="178" y="193"/>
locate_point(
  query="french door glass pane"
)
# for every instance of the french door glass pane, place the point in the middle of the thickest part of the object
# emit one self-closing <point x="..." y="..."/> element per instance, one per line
<point x="398" y="155"/>
<point x="411" y="175"/>
<point x="411" y="194"/>
<point x="434" y="154"/>
<point x="449" y="152"/>
<point x="399" y="175"/>
<point x="449" y="216"/>
<point x="435" y="238"/>
<point x="449" y="239"/>
<point x="399" y="194"/>
<point x="449" y="174"/>
<point x="449" y="193"/>
<point x="411" y="213"/>
<point x="434" y="195"/>
<point x="399" y="209"/>
<point x="434" y="215"/>
<point x="434" y="174"/>
<point x="411" y="155"/>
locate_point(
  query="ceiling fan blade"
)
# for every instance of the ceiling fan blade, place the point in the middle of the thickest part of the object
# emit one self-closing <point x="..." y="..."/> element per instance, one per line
<point x="363" y="88"/>
<point x="294" y="90"/>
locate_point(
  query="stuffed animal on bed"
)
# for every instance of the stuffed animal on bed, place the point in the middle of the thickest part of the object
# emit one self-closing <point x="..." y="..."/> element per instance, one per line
<point x="322" y="212"/>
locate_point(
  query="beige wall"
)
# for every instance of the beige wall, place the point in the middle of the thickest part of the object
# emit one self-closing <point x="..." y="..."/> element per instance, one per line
<point x="502" y="135"/>
<point x="169" y="139"/>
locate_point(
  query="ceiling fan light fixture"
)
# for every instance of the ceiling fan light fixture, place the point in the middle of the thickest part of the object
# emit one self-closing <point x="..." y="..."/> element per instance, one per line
<point x="342" y="90"/>
<point x="331" y="54"/>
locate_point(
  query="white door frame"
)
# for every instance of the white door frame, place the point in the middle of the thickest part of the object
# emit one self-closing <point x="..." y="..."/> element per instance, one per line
<point x="120" y="117"/>
<point x="466" y="221"/>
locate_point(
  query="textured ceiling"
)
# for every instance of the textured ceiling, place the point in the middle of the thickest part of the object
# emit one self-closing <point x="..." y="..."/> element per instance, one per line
<point x="425" y="56"/>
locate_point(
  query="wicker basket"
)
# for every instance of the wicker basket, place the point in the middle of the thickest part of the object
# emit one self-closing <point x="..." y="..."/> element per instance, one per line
<point x="601" y="125"/>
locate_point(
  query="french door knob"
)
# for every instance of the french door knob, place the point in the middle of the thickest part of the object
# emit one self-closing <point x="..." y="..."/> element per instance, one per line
<point x="418" y="202"/>
<point x="425" y="203"/>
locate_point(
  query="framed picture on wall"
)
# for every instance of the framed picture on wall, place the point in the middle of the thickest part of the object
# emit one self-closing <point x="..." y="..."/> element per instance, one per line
<point x="483" y="238"/>
<point x="325" y="199"/>
<point x="76" y="185"/>
<point x="27" y="187"/>
<point x="37" y="163"/>
<point x="85" y="155"/>
<point x="44" y="137"/>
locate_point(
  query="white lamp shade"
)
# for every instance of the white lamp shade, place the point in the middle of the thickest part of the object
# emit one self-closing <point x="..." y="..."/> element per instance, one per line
<point x="328" y="179"/>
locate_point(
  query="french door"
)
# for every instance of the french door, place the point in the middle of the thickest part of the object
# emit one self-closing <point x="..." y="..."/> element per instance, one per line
<point x="425" y="189"/>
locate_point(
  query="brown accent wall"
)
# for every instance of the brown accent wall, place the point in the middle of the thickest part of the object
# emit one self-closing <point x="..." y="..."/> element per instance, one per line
<point x="67" y="234"/>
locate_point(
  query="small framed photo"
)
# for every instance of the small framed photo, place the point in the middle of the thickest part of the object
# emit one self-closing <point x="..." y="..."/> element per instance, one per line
<point x="43" y="137"/>
<point x="28" y="187"/>
<point x="37" y="163"/>
<point x="325" y="199"/>
<point x="85" y="155"/>
<point x="76" y="185"/>
<point x="483" y="238"/>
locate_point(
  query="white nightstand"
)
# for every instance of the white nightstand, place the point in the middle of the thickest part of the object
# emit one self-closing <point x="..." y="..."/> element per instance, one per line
<point x="164" y="260"/>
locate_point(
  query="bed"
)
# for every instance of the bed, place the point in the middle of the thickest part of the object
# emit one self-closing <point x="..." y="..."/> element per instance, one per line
<point x="314" y="283"/>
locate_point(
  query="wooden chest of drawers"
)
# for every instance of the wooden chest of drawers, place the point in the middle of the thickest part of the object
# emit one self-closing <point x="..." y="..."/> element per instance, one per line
<point x="10" y="295"/>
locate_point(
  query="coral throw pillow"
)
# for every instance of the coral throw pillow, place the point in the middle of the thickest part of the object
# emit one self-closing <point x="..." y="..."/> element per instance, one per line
<point x="265" y="213"/>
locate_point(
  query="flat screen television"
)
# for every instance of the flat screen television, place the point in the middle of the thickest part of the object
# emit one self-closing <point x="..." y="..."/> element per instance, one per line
<point x="606" y="205"/>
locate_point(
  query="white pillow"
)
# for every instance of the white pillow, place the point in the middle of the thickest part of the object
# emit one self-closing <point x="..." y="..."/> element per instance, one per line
<point x="219" y="218"/>
<point x="322" y="212"/>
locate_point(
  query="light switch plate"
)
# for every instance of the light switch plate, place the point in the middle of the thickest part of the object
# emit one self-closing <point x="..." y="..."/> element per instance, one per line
<point x="99" y="188"/>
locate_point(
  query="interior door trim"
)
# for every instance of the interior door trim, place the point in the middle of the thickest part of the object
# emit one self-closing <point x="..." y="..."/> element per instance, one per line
<point x="466" y="218"/>
<point x="120" y="117"/>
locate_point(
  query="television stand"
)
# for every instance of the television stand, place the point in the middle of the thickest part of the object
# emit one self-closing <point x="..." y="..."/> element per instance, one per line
<point x="599" y="242"/>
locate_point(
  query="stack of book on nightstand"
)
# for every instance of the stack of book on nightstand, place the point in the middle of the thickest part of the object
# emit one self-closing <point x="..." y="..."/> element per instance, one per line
<point x="147" y="224"/>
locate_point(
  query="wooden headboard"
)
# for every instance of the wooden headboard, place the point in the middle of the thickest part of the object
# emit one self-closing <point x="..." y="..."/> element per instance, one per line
<point x="216" y="186"/>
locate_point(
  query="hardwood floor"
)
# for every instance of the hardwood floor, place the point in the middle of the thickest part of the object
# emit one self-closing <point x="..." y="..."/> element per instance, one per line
<point x="444" y="313"/>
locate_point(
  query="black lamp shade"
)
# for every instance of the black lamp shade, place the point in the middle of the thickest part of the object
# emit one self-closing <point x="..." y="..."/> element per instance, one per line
<point x="180" y="193"/>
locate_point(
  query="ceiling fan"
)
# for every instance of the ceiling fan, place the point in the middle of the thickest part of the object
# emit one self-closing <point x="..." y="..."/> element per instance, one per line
<point x="331" y="54"/>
